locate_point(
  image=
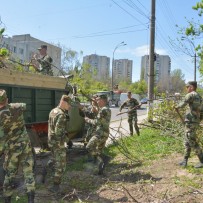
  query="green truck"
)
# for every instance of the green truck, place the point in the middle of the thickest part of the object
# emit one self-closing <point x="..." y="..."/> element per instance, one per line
<point x="41" y="94"/>
<point x="113" y="97"/>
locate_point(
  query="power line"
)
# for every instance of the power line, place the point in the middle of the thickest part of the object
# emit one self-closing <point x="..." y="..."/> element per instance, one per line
<point x="131" y="4"/>
<point x="127" y="12"/>
<point x="126" y="27"/>
<point x="115" y="33"/>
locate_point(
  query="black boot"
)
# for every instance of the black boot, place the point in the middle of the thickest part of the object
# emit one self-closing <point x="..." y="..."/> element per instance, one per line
<point x="200" y="164"/>
<point x="137" y="129"/>
<point x="103" y="161"/>
<point x="7" y="199"/>
<point x="131" y="129"/>
<point x="31" y="196"/>
<point x="138" y="132"/>
<point x="100" y="167"/>
<point x="184" y="162"/>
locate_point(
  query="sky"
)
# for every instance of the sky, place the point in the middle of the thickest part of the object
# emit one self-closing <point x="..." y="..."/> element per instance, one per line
<point x="98" y="26"/>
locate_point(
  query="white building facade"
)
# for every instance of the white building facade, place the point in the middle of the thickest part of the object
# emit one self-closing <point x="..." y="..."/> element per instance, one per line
<point x="162" y="68"/>
<point x="101" y="65"/>
<point x="23" y="47"/>
<point x="122" y="70"/>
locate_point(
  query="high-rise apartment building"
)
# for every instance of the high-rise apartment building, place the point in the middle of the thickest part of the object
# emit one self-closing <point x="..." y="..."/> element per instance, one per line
<point x="162" y="68"/>
<point x="122" y="70"/>
<point x="101" y="65"/>
<point x="23" y="47"/>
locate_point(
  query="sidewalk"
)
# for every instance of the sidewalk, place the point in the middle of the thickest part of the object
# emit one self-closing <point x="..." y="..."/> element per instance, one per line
<point x="123" y="127"/>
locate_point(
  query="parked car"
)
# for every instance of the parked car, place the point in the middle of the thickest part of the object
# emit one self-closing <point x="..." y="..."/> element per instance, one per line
<point x="144" y="101"/>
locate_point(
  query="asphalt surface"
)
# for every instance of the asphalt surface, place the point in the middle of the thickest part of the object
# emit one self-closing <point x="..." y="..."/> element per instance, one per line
<point x="119" y="126"/>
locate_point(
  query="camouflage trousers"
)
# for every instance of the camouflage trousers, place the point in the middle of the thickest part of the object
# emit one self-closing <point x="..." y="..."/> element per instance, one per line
<point x="18" y="154"/>
<point x="96" y="145"/>
<point x="132" y="120"/>
<point x="190" y="141"/>
<point x="90" y="132"/>
<point x="59" y="160"/>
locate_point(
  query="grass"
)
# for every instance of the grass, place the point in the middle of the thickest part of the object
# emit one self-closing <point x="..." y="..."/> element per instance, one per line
<point x="149" y="146"/>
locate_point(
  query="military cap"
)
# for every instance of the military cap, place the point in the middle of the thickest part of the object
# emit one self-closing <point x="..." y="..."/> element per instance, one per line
<point x="102" y="96"/>
<point x="193" y="83"/>
<point x="66" y="98"/>
<point x="43" y="46"/>
<point x="3" y="96"/>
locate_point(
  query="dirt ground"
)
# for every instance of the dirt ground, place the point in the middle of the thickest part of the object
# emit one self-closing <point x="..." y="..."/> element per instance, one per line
<point x="162" y="181"/>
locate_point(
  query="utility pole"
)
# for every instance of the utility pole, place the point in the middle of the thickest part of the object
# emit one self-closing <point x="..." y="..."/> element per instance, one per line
<point x="151" y="73"/>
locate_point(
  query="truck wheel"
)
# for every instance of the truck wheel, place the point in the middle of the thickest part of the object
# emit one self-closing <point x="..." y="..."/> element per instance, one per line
<point x="110" y="103"/>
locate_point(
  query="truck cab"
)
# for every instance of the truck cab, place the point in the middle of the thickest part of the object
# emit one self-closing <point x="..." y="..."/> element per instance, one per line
<point x="113" y="97"/>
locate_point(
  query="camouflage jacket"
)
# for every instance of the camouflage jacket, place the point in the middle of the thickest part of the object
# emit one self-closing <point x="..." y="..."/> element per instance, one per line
<point x="194" y="102"/>
<point x="45" y="65"/>
<point x="102" y="121"/>
<point x="130" y="103"/>
<point x="57" y="128"/>
<point x="12" y="121"/>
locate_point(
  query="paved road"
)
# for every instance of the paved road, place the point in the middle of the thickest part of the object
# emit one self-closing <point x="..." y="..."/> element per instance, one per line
<point x="119" y="127"/>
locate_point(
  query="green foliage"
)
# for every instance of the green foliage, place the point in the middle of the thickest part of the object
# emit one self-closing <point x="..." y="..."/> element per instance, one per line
<point x="139" y="87"/>
<point x="177" y="81"/>
<point x="2" y="31"/>
<point x="85" y="81"/>
<point x="4" y="52"/>
<point x="199" y="7"/>
<point x="195" y="30"/>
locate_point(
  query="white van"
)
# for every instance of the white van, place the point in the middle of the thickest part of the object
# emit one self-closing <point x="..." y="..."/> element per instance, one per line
<point x="124" y="97"/>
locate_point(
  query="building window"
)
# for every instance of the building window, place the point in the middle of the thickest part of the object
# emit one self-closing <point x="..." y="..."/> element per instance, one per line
<point x="21" y="51"/>
<point x="14" y="49"/>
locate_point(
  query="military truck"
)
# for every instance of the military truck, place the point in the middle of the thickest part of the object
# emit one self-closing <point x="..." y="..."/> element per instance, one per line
<point x="113" y="97"/>
<point x="41" y="93"/>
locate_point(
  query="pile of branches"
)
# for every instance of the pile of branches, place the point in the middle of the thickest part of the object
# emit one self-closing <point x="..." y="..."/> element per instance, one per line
<point x="168" y="121"/>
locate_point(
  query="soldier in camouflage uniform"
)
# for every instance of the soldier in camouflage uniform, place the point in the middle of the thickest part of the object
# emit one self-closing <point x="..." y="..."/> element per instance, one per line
<point x="192" y="120"/>
<point x="45" y="61"/>
<point x="57" y="137"/>
<point x="91" y="113"/>
<point x="132" y="105"/>
<point x="18" y="150"/>
<point x="97" y="142"/>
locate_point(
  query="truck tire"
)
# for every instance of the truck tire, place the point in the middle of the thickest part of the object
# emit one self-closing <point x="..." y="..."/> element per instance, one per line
<point x="110" y="103"/>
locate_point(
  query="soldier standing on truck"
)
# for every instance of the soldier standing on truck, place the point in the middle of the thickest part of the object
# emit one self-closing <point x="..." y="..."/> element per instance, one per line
<point x="57" y="137"/>
<point x="44" y="60"/>
<point x="132" y="105"/>
<point x="97" y="142"/>
<point x="18" y="150"/>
